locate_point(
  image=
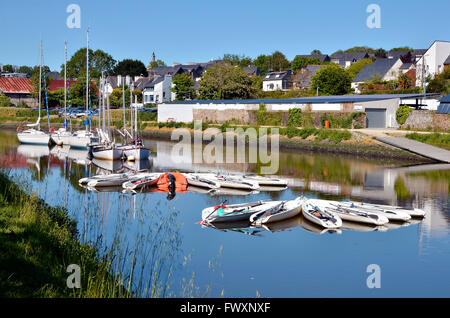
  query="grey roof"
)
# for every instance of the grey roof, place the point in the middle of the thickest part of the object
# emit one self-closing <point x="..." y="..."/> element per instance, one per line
<point x="419" y="52"/>
<point x="55" y="75"/>
<point x="140" y="83"/>
<point x="273" y="76"/>
<point x="447" y="61"/>
<point x="251" y="70"/>
<point x="153" y="81"/>
<point x="112" y="80"/>
<point x="321" y="57"/>
<point x="406" y="66"/>
<point x="378" y="67"/>
<point x="396" y="54"/>
<point x="304" y="76"/>
<point x="349" y="56"/>
<point x="307" y="100"/>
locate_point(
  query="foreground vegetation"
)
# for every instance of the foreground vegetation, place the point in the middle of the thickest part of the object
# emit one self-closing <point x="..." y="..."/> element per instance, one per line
<point x="38" y="243"/>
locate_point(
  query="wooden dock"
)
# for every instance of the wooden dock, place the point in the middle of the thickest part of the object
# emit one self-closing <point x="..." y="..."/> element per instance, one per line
<point x="417" y="147"/>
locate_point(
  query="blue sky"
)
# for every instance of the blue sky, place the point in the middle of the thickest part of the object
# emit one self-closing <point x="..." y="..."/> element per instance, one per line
<point x="200" y="30"/>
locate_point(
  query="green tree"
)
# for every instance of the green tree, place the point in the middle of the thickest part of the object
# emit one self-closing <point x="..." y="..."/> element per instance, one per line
<point x="98" y="61"/>
<point x="157" y="63"/>
<point x="356" y="67"/>
<point x="332" y="80"/>
<point x="130" y="67"/>
<point x="278" y="62"/>
<point x="300" y="62"/>
<point x="225" y="81"/>
<point x="184" y="86"/>
<point x="25" y="69"/>
<point x="235" y="59"/>
<point x="402" y="48"/>
<point x="262" y="63"/>
<point x="316" y="52"/>
<point x="4" y="101"/>
<point x="8" y="68"/>
<point x="78" y="93"/>
<point x="440" y="83"/>
<point x="380" y="53"/>
<point x="35" y="81"/>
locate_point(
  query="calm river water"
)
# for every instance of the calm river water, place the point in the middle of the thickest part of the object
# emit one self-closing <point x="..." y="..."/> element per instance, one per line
<point x="169" y="254"/>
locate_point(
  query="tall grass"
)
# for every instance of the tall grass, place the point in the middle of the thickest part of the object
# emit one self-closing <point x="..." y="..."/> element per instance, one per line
<point x="435" y="139"/>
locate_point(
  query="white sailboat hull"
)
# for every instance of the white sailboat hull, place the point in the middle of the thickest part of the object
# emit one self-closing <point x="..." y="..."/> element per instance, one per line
<point x="136" y="153"/>
<point x="82" y="139"/>
<point x="61" y="137"/>
<point x="107" y="153"/>
<point x="35" y="137"/>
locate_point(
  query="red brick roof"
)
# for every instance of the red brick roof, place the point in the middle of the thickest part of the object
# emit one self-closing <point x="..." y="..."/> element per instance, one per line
<point x="58" y="84"/>
<point x="16" y="85"/>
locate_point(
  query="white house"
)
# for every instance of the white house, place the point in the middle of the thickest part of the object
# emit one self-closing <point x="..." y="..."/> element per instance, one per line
<point x="157" y="90"/>
<point x="433" y="59"/>
<point x="387" y="69"/>
<point x="277" y="81"/>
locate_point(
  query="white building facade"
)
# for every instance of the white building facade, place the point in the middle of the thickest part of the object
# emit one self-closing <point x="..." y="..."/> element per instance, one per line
<point x="433" y="60"/>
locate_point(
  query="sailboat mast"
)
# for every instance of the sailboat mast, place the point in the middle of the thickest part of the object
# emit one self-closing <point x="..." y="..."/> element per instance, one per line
<point x="87" y="77"/>
<point x="40" y="80"/>
<point x="131" y="111"/>
<point x="65" y="85"/>
<point x="135" y="117"/>
<point x="124" y="110"/>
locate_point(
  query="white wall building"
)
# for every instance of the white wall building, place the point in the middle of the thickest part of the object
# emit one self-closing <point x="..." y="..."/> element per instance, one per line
<point x="158" y="90"/>
<point x="434" y="59"/>
<point x="277" y="81"/>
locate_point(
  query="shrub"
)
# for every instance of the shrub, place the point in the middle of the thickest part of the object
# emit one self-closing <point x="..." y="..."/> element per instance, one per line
<point x="295" y="117"/>
<point x="308" y="120"/>
<point x="402" y="114"/>
<point x="4" y="101"/>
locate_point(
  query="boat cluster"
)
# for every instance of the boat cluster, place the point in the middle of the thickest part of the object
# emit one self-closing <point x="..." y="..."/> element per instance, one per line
<point x="98" y="141"/>
<point x="212" y="183"/>
<point x="324" y="213"/>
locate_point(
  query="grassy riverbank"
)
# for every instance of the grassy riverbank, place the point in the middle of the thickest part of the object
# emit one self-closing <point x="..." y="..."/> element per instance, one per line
<point x="306" y="139"/>
<point x="38" y="243"/>
<point x="434" y="139"/>
<point x="309" y="139"/>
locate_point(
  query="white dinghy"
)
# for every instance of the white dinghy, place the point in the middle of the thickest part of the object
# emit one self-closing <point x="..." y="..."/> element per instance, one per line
<point x="237" y="212"/>
<point x="229" y="181"/>
<point x="392" y="215"/>
<point x="141" y="180"/>
<point x="414" y="212"/>
<point x="317" y="214"/>
<point x="350" y="214"/>
<point x="288" y="210"/>
<point x="199" y="181"/>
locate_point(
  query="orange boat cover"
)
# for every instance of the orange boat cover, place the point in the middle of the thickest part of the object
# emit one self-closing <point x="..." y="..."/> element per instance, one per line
<point x="180" y="182"/>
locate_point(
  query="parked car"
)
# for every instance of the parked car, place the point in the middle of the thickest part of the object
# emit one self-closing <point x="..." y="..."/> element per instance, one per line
<point x="149" y="110"/>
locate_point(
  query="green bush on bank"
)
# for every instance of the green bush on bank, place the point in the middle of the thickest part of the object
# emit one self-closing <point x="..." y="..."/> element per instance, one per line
<point x="295" y="117"/>
<point x="403" y="113"/>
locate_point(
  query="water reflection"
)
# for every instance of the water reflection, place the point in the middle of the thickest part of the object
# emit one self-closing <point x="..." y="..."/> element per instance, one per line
<point x="153" y="238"/>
